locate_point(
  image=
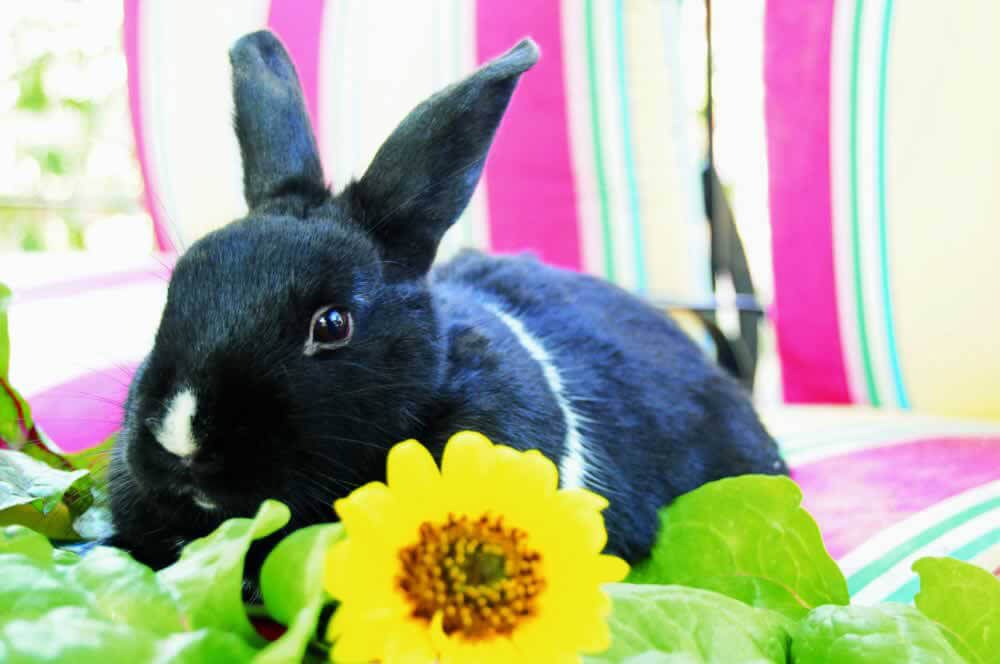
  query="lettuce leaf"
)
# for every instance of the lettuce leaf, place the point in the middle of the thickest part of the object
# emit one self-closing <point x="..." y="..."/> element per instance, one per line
<point x="660" y="624"/>
<point x="870" y="635"/>
<point x="964" y="601"/>
<point x="291" y="582"/>
<point x="207" y="581"/>
<point x="25" y="481"/>
<point x="749" y="538"/>
<point x="99" y="608"/>
<point x="105" y="606"/>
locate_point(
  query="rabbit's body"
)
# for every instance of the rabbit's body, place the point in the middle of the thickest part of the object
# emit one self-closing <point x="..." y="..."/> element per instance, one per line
<point x="300" y="343"/>
<point x="604" y="385"/>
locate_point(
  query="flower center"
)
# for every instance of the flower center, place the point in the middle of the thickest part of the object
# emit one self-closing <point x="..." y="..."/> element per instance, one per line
<point x="478" y="573"/>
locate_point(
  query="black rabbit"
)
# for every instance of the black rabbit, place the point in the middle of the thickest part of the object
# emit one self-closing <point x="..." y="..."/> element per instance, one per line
<point x="300" y="343"/>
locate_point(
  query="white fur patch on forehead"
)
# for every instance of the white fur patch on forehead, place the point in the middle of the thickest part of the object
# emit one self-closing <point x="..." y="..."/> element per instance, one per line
<point x="175" y="428"/>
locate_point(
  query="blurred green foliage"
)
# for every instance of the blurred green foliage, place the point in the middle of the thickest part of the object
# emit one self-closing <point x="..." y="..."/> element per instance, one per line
<point x="66" y="155"/>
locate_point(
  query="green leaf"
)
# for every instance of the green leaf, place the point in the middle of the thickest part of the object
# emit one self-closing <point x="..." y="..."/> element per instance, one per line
<point x="291" y="582"/>
<point x="24" y="480"/>
<point x="57" y="524"/>
<point x="126" y="591"/>
<point x="659" y="624"/>
<point x="75" y="634"/>
<point x="15" y="415"/>
<point x="964" y="601"/>
<point x="747" y="537"/>
<point x="72" y="634"/>
<point x="32" y="95"/>
<point x="207" y="581"/>
<point x="4" y="335"/>
<point x="886" y="634"/>
<point x="205" y="646"/>
<point x="18" y="539"/>
<point x="30" y="587"/>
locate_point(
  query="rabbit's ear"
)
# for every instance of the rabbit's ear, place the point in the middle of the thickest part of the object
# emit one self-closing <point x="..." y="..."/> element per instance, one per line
<point x="272" y="126"/>
<point x="423" y="176"/>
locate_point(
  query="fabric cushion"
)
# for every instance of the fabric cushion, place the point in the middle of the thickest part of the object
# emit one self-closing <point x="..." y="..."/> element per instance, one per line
<point x="888" y="488"/>
<point x="882" y="143"/>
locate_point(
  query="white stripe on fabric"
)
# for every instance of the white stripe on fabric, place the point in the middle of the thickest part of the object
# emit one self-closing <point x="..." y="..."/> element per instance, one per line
<point x="455" y="58"/>
<point x="573" y="19"/>
<point x="373" y="72"/>
<point x="573" y="465"/>
<point x="868" y="97"/>
<point x="613" y="144"/>
<point x="38" y="364"/>
<point x="840" y="199"/>
<point x="882" y="543"/>
<point x="196" y="154"/>
<point x="881" y="588"/>
<point x="868" y="261"/>
<point x="687" y="158"/>
<point x="865" y="439"/>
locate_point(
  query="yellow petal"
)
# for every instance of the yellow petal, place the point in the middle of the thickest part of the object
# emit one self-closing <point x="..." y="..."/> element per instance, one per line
<point x="497" y="650"/>
<point x="336" y="559"/>
<point x="465" y="469"/>
<point x="610" y="569"/>
<point x="356" y="638"/>
<point x="410" y="470"/>
<point x="530" y="472"/>
<point x="583" y="499"/>
<point x="409" y="644"/>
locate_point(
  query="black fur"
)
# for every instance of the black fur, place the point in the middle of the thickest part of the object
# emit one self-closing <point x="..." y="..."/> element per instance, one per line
<point x="429" y="356"/>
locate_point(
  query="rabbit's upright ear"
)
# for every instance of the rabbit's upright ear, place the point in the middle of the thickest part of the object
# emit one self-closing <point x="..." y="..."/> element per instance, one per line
<point x="423" y="176"/>
<point x="272" y="126"/>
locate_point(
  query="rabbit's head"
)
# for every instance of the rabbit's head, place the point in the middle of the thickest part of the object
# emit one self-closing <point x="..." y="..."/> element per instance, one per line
<point x="300" y="342"/>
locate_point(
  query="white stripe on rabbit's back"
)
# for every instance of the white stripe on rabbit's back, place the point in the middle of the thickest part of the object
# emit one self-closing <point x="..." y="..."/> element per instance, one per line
<point x="175" y="433"/>
<point x="572" y="466"/>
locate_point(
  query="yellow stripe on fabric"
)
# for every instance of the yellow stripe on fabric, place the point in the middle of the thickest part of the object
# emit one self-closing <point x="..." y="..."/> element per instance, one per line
<point x="670" y="266"/>
<point x="943" y="201"/>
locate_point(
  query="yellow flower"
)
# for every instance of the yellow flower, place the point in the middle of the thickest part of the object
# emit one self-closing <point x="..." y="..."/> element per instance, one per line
<point x="485" y="561"/>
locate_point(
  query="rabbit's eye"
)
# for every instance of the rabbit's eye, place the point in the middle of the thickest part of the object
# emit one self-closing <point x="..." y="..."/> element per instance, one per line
<point x="331" y="328"/>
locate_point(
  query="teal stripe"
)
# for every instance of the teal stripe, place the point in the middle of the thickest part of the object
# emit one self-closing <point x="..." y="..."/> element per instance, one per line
<point x="595" y="124"/>
<point x="890" y="332"/>
<point x="633" y="189"/>
<point x="908" y="591"/>
<point x="859" y="295"/>
<point x="857" y="581"/>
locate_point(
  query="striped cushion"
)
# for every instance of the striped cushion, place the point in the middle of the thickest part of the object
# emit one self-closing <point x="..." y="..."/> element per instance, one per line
<point x="888" y="488"/>
<point x="591" y="168"/>
<point x="883" y="138"/>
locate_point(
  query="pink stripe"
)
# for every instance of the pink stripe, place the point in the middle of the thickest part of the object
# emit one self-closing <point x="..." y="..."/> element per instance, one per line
<point x="797" y="106"/>
<point x="84" y="411"/>
<point x="300" y="26"/>
<point x="855" y="496"/>
<point x="133" y="9"/>
<point x="529" y="180"/>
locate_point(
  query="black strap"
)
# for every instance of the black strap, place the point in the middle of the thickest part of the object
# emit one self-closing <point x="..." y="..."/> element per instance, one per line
<point x="738" y="355"/>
